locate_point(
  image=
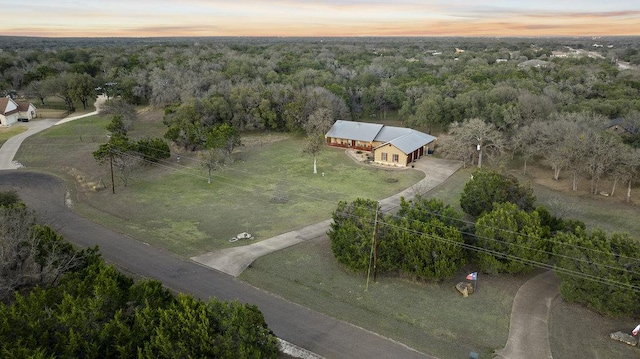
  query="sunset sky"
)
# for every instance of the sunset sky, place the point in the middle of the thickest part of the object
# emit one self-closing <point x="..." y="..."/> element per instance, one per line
<point x="133" y="18"/>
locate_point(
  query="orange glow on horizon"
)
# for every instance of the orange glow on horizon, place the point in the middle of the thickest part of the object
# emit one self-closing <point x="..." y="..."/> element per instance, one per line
<point x="288" y="18"/>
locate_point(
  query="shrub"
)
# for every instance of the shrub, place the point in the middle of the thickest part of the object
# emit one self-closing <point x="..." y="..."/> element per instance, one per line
<point x="488" y="187"/>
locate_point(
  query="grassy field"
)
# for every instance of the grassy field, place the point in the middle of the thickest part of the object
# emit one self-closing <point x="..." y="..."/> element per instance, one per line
<point x="430" y="317"/>
<point x="172" y="206"/>
<point x="269" y="190"/>
<point x="8" y="132"/>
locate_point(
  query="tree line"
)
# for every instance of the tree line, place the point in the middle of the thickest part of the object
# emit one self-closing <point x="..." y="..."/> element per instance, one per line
<point x="260" y="84"/>
<point x="428" y="240"/>
<point x="579" y="144"/>
<point x="58" y="301"/>
<point x="554" y="111"/>
<point x="507" y="106"/>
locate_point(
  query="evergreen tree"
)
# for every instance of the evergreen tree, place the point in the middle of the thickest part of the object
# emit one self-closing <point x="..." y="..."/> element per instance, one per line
<point x="488" y="187"/>
<point x="352" y="232"/>
<point x="429" y="250"/>
<point x="511" y="238"/>
<point x="602" y="273"/>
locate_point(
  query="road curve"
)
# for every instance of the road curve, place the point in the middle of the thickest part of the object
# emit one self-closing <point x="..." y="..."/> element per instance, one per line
<point x="308" y="329"/>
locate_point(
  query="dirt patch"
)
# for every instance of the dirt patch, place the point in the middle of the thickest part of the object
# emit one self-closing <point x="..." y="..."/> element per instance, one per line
<point x="253" y="140"/>
<point x="48" y="113"/>
<point x="544" y="176"/>
<point x="150" y="114"/>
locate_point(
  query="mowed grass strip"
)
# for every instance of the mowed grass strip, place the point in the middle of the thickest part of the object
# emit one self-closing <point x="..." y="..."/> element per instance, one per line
<point x="8" y="132"/>
<point x="430" y="317"/>
<point x="269" y="190"/>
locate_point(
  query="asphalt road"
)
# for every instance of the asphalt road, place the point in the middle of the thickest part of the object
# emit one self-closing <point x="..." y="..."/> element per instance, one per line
<point x="308" y="329"/>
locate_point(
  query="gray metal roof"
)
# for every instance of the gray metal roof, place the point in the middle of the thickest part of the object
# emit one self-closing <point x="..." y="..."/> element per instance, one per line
<point x="411" y="141"/>
<point x="389" y="133"/>
<point x="359" y="131"/>
<point x="405" y="139"/>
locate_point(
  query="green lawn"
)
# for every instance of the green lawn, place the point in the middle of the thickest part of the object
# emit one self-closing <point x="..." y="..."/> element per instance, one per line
<point x="172" y="205"/>
<point x="430" y="317"/>
<point x="8" y="132"/>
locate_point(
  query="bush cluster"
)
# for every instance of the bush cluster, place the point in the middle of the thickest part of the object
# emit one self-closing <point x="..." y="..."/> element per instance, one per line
<point x="428" y="240"/>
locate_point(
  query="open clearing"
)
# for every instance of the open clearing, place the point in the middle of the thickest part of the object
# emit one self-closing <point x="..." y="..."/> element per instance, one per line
<point x="269" y="190"/>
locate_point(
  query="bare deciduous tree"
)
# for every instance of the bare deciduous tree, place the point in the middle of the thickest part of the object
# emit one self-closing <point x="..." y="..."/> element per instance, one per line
<point x="30" y="254"/>
<point x="633" y="170"/>
<point x="119" y="107"/>
<point x="600" y="156"/>
<point x="471" y="136"/>
<point x="213" y="159"/>
<point x="318" y="124"/>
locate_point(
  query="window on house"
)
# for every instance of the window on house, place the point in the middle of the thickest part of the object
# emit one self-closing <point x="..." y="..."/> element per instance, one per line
<point x="383" y="156"/>
<point x="396" y="158"/>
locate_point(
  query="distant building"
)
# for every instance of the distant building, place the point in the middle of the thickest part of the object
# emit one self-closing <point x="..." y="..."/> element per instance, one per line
<point x="13" y="111"/>
<point x="624" y="126"/>
<point x="27" y="111"/>
<point x="534" y="63"/>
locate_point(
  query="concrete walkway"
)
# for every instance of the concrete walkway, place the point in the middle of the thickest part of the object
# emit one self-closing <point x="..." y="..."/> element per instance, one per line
<point x="529" y="322"/>
<point x="10" y="148"/>
<point x="234" y="261"/>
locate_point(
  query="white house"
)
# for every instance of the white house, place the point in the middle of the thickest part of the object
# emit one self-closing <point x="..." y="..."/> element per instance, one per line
<point x="12" y="111"/>
<point x="27" y="110"/>
<point x="9" y="112"/>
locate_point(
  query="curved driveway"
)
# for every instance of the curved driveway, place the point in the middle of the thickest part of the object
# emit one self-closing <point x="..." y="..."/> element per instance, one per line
<point x="529" y="322"/>
<point x="11" y="146"/>
<point x="235" y="260"/>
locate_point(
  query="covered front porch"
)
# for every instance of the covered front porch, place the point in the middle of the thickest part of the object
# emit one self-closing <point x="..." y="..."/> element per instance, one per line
<point x="346" y="143"/>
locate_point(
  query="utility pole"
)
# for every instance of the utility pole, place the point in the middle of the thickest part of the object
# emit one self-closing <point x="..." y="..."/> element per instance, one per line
<point x="375" y="244"/>
<point x="373" y="248"/>
<point x="479" y="153"/>
<point x="113" y="185"/>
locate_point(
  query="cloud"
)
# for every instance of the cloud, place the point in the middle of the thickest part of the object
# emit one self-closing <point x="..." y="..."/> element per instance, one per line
<point x="320" y="18"/>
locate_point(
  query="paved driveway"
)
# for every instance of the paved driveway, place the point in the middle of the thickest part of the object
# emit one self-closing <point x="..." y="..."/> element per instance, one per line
<point x="235" y="260"/>
<point x="10" y="148"/>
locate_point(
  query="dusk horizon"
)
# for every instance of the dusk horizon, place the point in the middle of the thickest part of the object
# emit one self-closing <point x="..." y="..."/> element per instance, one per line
<point x="335" y="18"/>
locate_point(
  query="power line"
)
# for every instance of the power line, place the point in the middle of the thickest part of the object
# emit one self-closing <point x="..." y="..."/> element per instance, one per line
<point x="538" y="264"/>
<point x="551" y="240"/>
<point x="508" y="244"/>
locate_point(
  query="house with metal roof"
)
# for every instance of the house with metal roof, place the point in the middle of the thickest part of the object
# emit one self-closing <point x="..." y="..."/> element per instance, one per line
<point x="389" y="145"/>
<point x="624" y="126"/>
